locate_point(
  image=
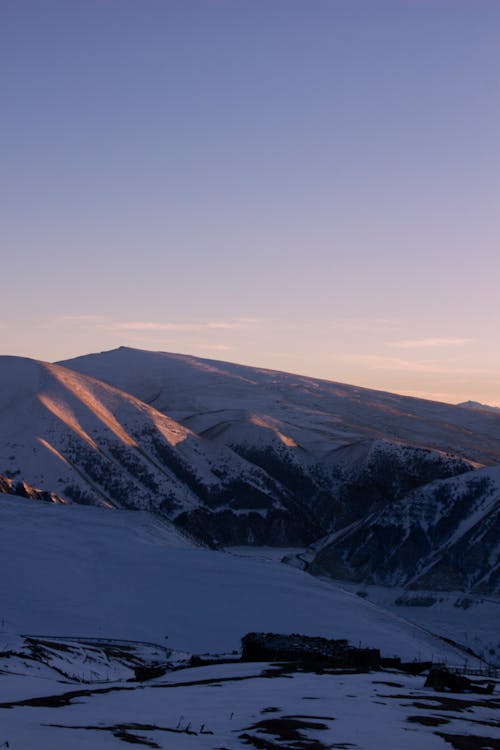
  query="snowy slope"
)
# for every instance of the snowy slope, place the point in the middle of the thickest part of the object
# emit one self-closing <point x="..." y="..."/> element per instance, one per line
<point x="359" y="458"/>
<point x="251" y="457"/>
<point x="317" y="415"/>
<point x="89" y="442"/>
<point x="471" y="619"/>
<point x="93" y="574"/>
<point x="242" y="480"/>
<point x="76" y="571"/>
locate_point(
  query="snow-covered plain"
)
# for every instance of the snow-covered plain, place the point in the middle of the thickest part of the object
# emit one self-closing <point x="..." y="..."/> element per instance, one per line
<point x="256" y="705"/>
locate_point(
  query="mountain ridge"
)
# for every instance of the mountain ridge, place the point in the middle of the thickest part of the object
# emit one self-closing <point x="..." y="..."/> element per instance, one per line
<point x="241" y="455"/>
<point x="339" y="410"/>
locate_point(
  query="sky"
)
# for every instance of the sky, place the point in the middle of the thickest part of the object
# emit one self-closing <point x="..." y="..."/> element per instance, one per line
<point x="304" y="185"/>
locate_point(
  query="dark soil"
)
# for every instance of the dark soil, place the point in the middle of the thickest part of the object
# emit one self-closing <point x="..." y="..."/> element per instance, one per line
<point x="427" y="721"/>
<point x="285" y="729"/>
<point x="470" y="742"/>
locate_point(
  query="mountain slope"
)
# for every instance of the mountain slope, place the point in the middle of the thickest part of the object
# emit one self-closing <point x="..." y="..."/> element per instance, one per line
<point x="91" y="443"/>
<point x="79" y="571"/>
<point x="444" y="535"/>
<point x="248" y="456"/>
<point x="249" y="405"/>
<point x="245" y="482"/>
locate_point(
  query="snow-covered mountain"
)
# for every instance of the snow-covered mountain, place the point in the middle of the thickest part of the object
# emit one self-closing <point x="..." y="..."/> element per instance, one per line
<point x="251" y="406"/>
<point x="240" y="455"/>
<point x="91" y="443"/>
<point x="123" y="593"/>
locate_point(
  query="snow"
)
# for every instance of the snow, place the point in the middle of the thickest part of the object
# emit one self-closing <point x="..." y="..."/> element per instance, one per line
<point x="62" y="429"/>
<point x="317" y="415"/>
<point x="77" y="571"/>
<point x="469" y="619"/>
<point x="75" y="577"/>
<point x="238" y="705"/>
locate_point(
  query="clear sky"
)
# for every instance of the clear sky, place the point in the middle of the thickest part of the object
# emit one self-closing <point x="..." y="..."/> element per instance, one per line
<point x="306" y="185"/>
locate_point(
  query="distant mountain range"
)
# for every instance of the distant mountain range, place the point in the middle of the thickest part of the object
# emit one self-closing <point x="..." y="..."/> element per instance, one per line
<point x="387" y="488"/>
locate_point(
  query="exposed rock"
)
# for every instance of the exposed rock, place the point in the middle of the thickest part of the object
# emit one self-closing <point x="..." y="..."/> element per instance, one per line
<point x="23" y="489"/>
<point x="442" y="536"/>
<point x="443" y="680"/>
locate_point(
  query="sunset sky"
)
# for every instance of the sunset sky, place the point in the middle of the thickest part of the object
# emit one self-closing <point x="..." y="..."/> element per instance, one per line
<point x="304" y="185"/>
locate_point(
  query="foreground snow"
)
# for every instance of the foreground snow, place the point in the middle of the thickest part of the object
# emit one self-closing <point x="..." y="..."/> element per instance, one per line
<point x="249" y="705"/>
<point x="73" y="577"/>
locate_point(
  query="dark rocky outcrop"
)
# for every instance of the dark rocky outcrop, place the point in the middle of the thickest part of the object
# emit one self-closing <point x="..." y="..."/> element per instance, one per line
<point x="442" y="680"/>
<point x="300" y="648"/>
<point x="18" y="488"/>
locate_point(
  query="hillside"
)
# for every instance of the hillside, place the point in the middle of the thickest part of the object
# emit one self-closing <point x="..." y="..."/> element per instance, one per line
<point x="97" y="592"/>
<point x="444" y="535"/>
<point x="240" y="455"/>
<point x="90" y="443"/>
<point x="240" y="404"/>
<point x="121" y="574"/>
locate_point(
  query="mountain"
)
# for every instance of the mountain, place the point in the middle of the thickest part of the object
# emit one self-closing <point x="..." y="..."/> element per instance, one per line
<point x="444" y="535"/>
<point x="238" y="455"/>
<point x="249" y="406"/>
<point x="90" y="443"/>
<point x="242" y="480"/>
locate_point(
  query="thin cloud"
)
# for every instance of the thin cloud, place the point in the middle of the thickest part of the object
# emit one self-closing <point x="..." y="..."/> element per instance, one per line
<point x="364" y="324"/>
<point x="380" y="362"/>
<point x="104" y="322"/>
<point x="427" y="343"/>
<point x="80" y="319"/>
<point x="146" y="325"/>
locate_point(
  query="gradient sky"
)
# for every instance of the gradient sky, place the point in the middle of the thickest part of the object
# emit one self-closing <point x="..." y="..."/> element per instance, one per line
<point x="306" y="185"/>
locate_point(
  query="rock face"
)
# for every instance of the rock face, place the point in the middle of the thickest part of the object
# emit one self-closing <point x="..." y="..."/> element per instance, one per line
<point x="371" y="474"/>
<point x="307" y="649"/>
